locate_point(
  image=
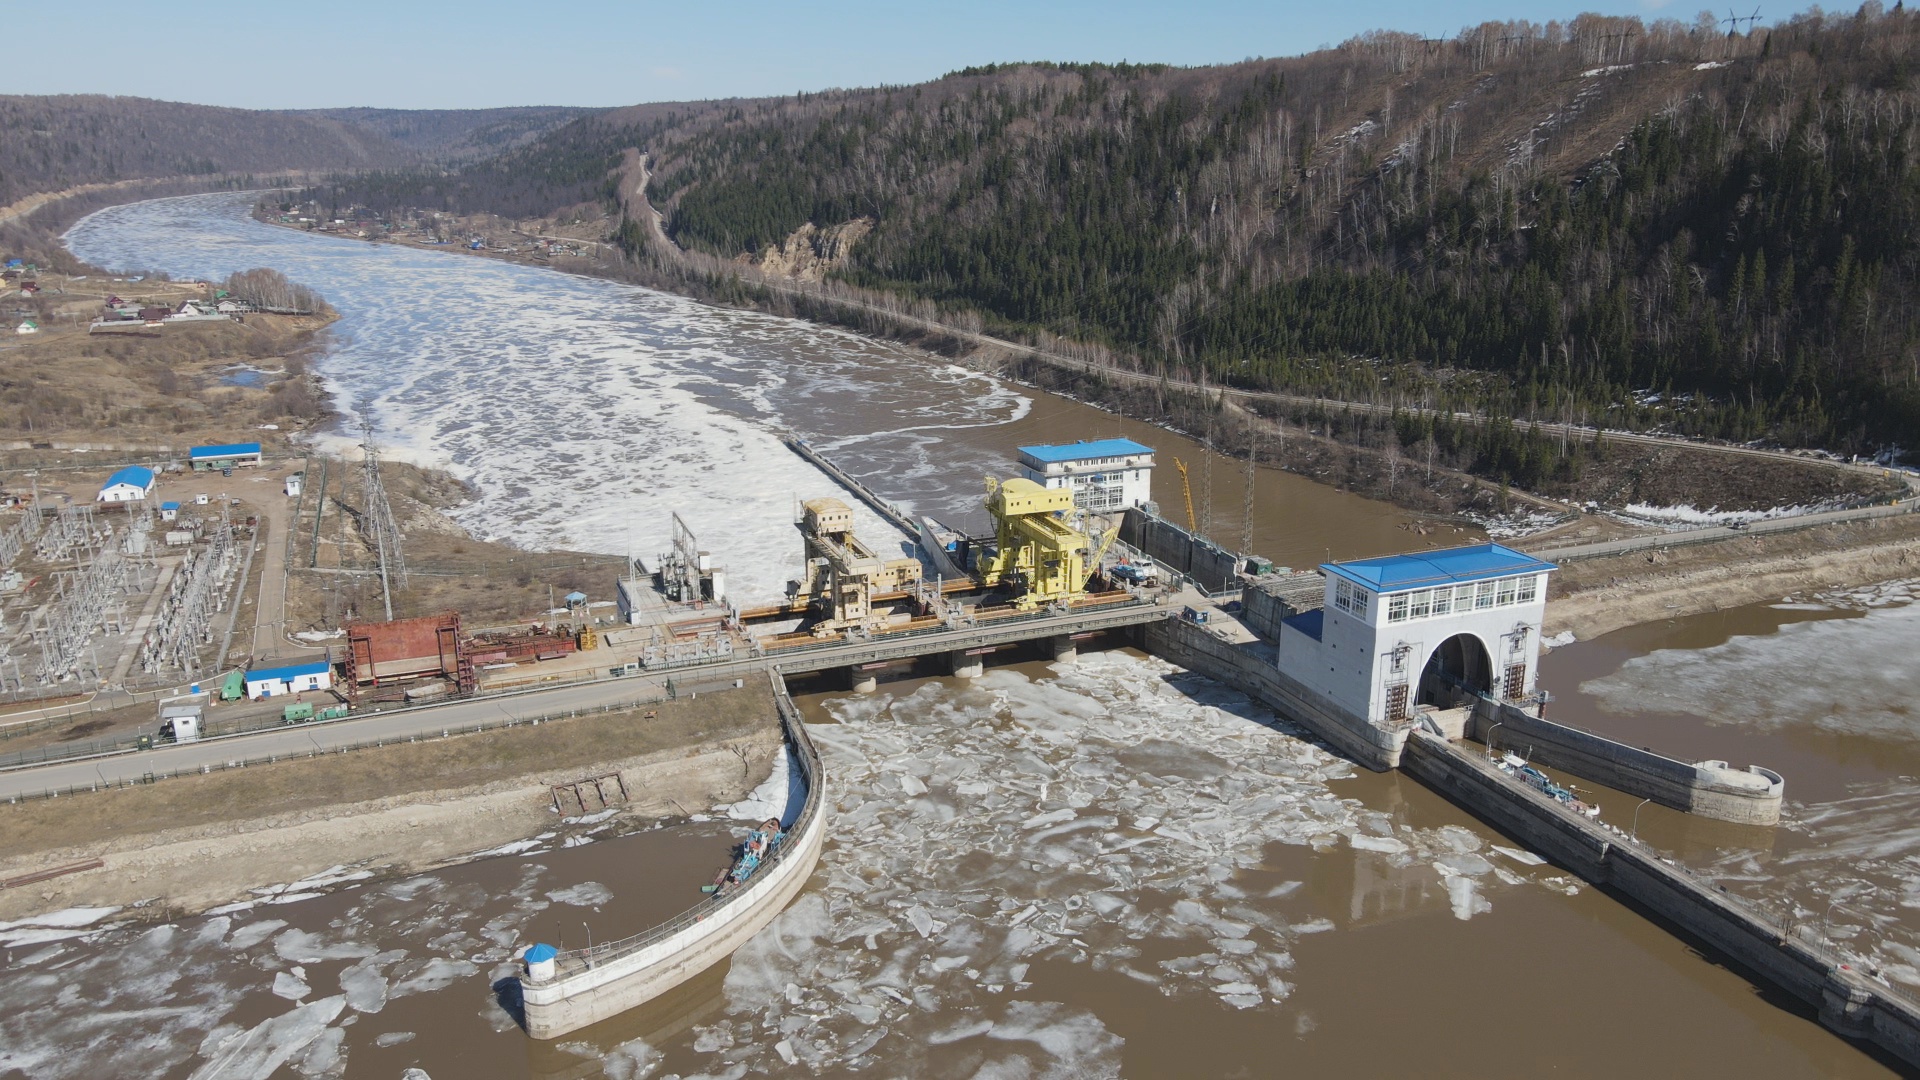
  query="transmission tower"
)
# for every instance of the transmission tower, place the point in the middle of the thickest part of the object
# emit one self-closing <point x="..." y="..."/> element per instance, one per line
<point x="386" y="535"/>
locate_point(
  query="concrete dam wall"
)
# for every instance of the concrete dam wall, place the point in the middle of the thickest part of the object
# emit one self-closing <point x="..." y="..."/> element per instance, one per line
<point x="1812" y="973"/>
<point x="591" y="985"/>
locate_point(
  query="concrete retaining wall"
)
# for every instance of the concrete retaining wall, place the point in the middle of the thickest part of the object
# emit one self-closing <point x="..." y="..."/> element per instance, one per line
<point x="614" y="983"/>
<point x="1710" y="789"/>
<point x="1251" y="670"/>
<point x="1846" y="1001"/>
<point x="1177" y="549"/>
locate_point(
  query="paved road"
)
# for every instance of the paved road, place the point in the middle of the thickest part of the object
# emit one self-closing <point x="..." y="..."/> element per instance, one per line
<point x="299" y="740"/>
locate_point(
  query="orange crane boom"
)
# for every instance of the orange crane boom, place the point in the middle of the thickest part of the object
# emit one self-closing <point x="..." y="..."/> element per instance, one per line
<point x="1186" y="489"/>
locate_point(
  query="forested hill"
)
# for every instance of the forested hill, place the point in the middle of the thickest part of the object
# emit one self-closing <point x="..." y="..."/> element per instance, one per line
<point x="59" y="142"/>
<point x="1536" y="220"/>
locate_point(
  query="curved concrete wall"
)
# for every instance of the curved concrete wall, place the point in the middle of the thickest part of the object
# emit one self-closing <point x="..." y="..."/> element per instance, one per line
<point x="617" y="983"/>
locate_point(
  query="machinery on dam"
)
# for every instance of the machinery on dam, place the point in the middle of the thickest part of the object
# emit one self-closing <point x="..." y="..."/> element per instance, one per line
<point x="843" y="574"/>
<point x="1039" y="557"/>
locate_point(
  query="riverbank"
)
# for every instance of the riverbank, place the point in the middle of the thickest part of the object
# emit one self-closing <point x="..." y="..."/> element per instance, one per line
<point x="185" y="845"/>
<point x="1592" y="597"/>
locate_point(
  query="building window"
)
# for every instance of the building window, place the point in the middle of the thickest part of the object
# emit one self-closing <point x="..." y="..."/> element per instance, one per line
<point x="1420" y="604"/>
<point x="1442" y="601"/>
<point x="1506" y="592"/>
<point x="1483" y="596"/>
<point x="1397" y="608"/>
<point x="1528" y="589"/>
<point x="1349" y="598"/>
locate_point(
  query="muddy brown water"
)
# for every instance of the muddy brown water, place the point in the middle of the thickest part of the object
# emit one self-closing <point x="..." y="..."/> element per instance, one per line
<point x="1382" y="973"/>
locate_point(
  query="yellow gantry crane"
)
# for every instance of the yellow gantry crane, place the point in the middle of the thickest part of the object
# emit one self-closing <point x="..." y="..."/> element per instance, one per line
<point x="1186" y="489"/>
<point x="1039" y="555"/>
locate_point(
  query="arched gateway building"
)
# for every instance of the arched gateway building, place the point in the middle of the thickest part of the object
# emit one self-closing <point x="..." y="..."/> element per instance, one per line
<point x="1435" y="628"/>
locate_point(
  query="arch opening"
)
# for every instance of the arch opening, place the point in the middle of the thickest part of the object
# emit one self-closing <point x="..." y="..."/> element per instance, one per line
<point x="1457" y="672"/>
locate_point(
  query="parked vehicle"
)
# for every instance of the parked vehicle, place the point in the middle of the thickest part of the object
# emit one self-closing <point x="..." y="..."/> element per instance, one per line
<point x="180" y="729"/>
<point x="297" y="714"/>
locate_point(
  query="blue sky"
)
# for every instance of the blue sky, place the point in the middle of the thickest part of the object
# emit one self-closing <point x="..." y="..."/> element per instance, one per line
<point x="483" y="53"/>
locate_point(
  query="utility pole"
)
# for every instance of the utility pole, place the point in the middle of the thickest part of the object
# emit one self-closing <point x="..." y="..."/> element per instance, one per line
<point x="379" y="516"/>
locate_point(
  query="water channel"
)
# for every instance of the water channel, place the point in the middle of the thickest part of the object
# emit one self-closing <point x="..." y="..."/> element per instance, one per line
<point x="1107" y="867"/>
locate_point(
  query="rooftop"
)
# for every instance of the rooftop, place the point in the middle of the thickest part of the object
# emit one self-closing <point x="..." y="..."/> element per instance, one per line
<point x="291" y="671"/>
<point x="1082" y="451"/>
<point x="227" y="450"/>
<point x="137" y="475"/>
<point x="1448" y="566"/>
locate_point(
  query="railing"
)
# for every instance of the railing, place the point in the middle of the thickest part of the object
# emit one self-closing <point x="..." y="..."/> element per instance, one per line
<point x="575" y="961"/>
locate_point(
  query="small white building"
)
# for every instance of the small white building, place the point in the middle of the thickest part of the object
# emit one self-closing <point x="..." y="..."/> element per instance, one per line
<point x="293" y="484"/>
<point x="169" y="511"/>
<point x="1433" y="628"/>
<point x="130" y="484"/>
<point x="293" y="679"/>
<point x="1105" y="475"/>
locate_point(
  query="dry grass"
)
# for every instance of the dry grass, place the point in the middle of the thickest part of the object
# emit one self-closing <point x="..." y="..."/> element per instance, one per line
<point x="551" y="752"/>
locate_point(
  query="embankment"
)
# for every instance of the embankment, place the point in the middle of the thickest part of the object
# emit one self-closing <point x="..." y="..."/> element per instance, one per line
<point x="191" y="843"/>
<point x="1592" y="597"/>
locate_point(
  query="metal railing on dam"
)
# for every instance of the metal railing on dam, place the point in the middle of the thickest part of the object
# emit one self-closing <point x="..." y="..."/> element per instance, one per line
<point x="591" y="984"/>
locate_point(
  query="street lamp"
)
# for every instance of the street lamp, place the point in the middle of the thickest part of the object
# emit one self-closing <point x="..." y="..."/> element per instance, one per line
<point x="1635" y="834"/>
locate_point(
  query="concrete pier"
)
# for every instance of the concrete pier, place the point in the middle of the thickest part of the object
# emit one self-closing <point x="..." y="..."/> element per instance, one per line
<point x="968" y="664"/>
<point x="1063" y="648"/>
<point x="585" y="986"/>
<point x="862" y="682"/>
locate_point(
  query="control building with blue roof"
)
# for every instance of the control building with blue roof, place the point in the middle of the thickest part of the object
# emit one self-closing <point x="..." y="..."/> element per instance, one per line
<point x="130" y="484"/>
<point x="1432" y="628"/>
<point x="1105" y="475"/>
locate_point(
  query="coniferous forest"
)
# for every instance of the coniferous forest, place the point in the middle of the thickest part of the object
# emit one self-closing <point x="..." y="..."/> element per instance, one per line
<point x="1651" y="225"/>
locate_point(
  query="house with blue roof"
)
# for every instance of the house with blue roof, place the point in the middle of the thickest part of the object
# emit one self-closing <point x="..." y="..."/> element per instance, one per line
<point x="292" y="679"/>
<point x="130" y="484"/>
<point x="169" y="511"/>
<point x="224" y="456"/>
<point x="1432" y="629"/>
<point x="1105" y="475"/>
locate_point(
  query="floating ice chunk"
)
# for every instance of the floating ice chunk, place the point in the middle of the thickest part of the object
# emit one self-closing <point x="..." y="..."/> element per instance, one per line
<point x="518" y="847"/>
<point x="1524" y="858"/>
<point x="436" y="973"/>
<point x="921" y="920"/>
<point x="1236" y="988"/>
<point x="266" y="1046"/>
<point x="780" y="795"/>
<point x="1241" y="1001"/>
<point x="589" y="894"/>
<point x="1315" y="926"/>
<point x="364" y="985"/>
<point x="333" y="875"/>
<point x="415" y="1074"/>
<point x="254" y="932"/>
<point x="294" y="898"/>
<point x="785" y="1049"/>
<point x="302" y="947"/>
<point x="325" y="1056"/>
<point x="392" y="1038"/>
<point x="1074" y="1037"/>
<point x="1465" y="897"/>
<point x="234" y="908"/>
<point x="288" y="985"/>
<point x="912" y="785"/>
<point x="1386" y="845"/>
<point x="631" y="1060"/>
<point x="1052" y="817"/>
<point x="1559" y="640"/>
<point x="1470" y="865"/>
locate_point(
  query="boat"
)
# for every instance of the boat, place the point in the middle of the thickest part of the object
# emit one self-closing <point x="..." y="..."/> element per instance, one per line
<point x="946" y="549"/>
<point x="757" y="849"/>
<point x="1515" y="766"/>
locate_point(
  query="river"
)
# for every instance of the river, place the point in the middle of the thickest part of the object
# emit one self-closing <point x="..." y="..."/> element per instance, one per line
<point x="1105" y="867"/>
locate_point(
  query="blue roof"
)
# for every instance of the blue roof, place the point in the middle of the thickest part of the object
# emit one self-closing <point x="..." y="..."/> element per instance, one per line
<point x="1309" y="623"/>
<point x="292" y="671"/>
<point x="1081" y="451"/>
<point x="133" y="474"/>
<point x="1448" y="566"/>
<point x="169" y="506"/>
<point x="541" y="952"/>
<point x="229" y="450"/>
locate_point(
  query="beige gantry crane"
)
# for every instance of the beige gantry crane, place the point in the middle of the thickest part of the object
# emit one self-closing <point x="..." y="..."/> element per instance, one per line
<point x="1186" y="489"/>
<point x="1039" y="555"/>
<point x="844" y="574"/>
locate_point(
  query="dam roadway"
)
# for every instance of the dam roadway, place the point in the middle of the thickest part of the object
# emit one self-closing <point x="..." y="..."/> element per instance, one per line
<point x="432" y="721"/>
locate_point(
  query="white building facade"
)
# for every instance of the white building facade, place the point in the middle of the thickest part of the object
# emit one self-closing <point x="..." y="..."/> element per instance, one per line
<point x="1105" y="475"/>
<point x="1432" y="628"/>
